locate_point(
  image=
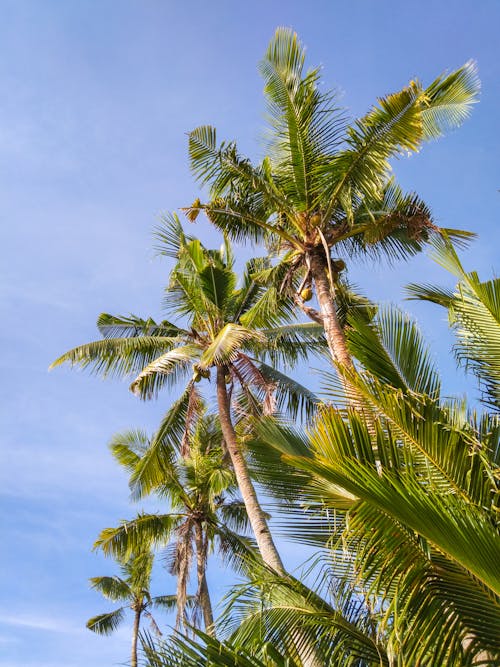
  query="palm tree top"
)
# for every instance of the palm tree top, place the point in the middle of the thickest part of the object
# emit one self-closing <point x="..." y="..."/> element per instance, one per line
<point x="325" y="180"/>
<point x="224" y="324"/>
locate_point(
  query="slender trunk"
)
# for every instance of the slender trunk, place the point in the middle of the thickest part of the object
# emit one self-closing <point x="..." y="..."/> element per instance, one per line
<point x="203" y="593"/>
<point x="256" y="516"/>
<point x="135" y="635"/>
<point x="333" y="331"/>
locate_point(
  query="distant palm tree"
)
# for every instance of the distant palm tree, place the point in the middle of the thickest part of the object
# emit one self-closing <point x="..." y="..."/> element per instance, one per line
<point x="132" y="589"/>
<point x="326" y="185"/>
<point x="204" y="512"/>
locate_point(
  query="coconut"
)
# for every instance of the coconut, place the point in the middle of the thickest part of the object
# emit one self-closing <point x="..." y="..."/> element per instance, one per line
<point x="306" y="294"/>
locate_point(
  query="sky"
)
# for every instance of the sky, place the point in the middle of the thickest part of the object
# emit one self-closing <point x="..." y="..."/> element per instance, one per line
<point x="98" y="96"/>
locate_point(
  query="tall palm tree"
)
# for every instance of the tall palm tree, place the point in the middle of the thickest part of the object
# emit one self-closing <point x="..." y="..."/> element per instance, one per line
<point x="133" y="590"/>
<point x="214" y="342"/>
<point x="414" y="491"/>
<point x="204" y="513"/>
<point x="326" y="185"/>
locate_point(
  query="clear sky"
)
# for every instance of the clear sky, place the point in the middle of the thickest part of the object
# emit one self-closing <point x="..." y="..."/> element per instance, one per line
<point x="97" y="97"/>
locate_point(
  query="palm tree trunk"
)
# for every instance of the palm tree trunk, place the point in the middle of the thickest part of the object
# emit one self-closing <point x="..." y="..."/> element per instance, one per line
<point x="256" y="516"/>
<point x="333" y="331"/>
<point x="203" y="593"/>
<point x="135" y="635"/>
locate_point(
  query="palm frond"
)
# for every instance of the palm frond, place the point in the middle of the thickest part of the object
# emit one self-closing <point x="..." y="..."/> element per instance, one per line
<point x="105" y="624"/>
<point x="166" y="368"/>
<point x="113" y="588"/>
<point x="112" y="326"/>
<point x="130" y="536"/>
<point x="119" y="357"/>
<point x="226" y="345"/>
<point x="392" y="349"/>
<point x="157" y="465"/>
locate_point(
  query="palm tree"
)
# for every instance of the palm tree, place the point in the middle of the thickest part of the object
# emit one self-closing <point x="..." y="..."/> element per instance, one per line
<point x="204" y="512"/>
<point x="203" y="291"/>
<point x="413" y="490"/>
<point x="133" y="590"/>
<point x="326" y="185"/>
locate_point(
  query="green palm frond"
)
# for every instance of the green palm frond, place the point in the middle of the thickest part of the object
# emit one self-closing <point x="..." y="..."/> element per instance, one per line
<point x="305" y="125"/>
<point x="112" y="326"/>
<point x="168" y="602"/>
<point x="225" y="347"/>
<point x="474" y="314"/>
<point x="113" y="588"/>
<point x="130" y="536"/>
<point x="206" y="651"/>
<point x="119" y="357"/>
<point x="398" y="125"/>
<point x="450" y="98"/>
<point x="128" y="447"/>
<point x="105" y="624"/>
<point x="271" y="608"/>
<point x="170" y="236"/>
<point x="392" y="349"/>
<point x="291" y="397"/>
<point x="157" y="465"/>
<point x="165" y="369"/>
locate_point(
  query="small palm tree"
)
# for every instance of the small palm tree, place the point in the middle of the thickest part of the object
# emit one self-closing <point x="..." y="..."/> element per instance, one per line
<point x="204" y="512"/>
<point x="133" y="590"/>
<point x="326" y="186"/>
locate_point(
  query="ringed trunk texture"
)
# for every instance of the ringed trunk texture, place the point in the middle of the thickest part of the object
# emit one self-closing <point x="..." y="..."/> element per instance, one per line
<point x="203" y="593"/>
<point x="256" y="516"/>
<point x="333" y="331"/>
<point x="135" y="635"/>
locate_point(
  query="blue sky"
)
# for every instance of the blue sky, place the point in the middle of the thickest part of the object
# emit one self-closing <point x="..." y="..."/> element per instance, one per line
<point x="97" y="99"/>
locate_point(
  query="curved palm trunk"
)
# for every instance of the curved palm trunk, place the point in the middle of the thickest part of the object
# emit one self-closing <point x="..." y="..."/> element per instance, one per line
<point x="333" y="331"/>
<point x="203" y="593"/>
<point x="256" y="516"/>
<point x="135" y="635"/>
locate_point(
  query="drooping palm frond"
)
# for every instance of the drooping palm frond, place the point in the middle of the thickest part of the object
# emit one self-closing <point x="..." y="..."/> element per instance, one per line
<point x="392" y="348"/>
<point x="112" y="326"/>
<point x="157" y="464"/>
<point x="225" y="347"/>
<point x="105" y="624"/>
<point x="474" y="314"/>
<point x="119" y="357"/>
<point x="113" y="588"/>
<point x="152" y="529"/>
<point x="166" y="368"/>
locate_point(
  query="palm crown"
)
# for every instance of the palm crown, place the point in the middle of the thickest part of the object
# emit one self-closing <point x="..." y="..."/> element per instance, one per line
<point x="204" y="512"/>
<point x="326" y="183"/>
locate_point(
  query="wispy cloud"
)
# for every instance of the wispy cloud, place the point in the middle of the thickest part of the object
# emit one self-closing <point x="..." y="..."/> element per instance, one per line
<point x="46" y="623"/>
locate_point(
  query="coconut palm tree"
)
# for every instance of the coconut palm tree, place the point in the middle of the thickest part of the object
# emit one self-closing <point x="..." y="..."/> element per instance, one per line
<point x="205" y="513"/>
<point x="325" y="187"/>
<point x="213" y="345"/>
<point x="133" y="590"/>
<point x="409" y="497"/>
